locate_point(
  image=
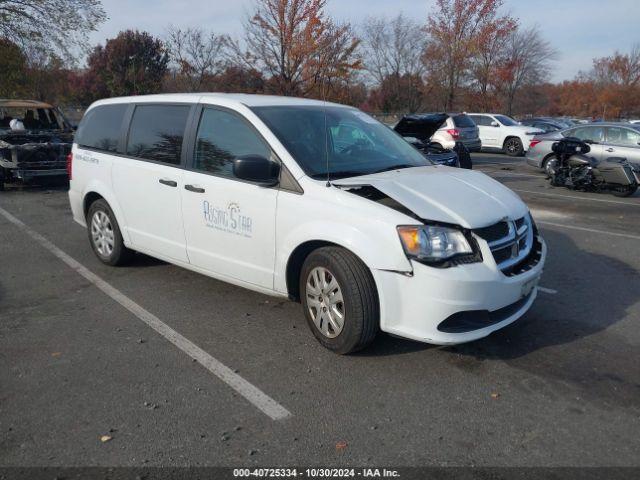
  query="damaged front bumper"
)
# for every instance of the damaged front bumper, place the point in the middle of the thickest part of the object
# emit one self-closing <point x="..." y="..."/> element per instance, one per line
<point x="33" y="159"/>
<point x="456" y="305"/>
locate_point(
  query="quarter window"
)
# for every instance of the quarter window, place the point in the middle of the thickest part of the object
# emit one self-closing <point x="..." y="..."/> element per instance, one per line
<point x="100" y="127"/>
<point x="222" y="137"/>
<point x="157" y="131"/>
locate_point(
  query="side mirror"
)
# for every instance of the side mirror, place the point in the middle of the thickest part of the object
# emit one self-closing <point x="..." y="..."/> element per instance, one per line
<point x="257" y="169"/>
<point x="495" y="124"/>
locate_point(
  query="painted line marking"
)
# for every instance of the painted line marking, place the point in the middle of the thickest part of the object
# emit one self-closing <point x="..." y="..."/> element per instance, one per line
<point x="250" y="392"/>
<point x="591" y="230"/>
<point x="577" y="198"/>
<point x="550" y="291"/>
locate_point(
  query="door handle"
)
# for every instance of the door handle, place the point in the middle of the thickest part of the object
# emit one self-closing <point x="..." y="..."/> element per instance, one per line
<point x="193" y="188"/>
<point x="609" y="150"/>
<point x="169" y="183"/>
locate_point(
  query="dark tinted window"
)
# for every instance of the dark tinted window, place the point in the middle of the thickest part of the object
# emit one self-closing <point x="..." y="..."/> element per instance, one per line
<point x="100" y="127"/>
<point x="222" y="137"/>
<point x="481" y="120"/>
<point x="156" y="132"/>
<point x="463" y="121"/>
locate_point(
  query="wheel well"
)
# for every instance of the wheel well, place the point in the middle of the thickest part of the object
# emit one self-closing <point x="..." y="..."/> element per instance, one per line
<point x="89" y="198"/>
<point x="294" y="265"/>
<point x="546" y="159"/>
<point x="509" y="138"/>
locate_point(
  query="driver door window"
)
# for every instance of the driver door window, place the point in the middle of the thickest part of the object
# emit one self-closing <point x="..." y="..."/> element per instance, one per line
<point x="222" y="137"/>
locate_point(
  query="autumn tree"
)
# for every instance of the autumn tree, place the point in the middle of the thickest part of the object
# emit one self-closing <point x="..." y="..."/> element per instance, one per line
<point x="490" y="55"/>
<point x="528" y="62"/>
<point x="297" y="46"/>
<point x="55" y="26"/>
<point x="454" y="27"/>
<point x="133" y="63"/>
<point x="196" y="55"/>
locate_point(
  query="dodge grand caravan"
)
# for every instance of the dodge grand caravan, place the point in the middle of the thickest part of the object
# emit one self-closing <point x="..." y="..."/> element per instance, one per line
<point x="313" y="201"/>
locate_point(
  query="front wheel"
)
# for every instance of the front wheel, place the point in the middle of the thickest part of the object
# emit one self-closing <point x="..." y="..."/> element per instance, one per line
<point x="625" y="191"/>
<point x="340" y="299"/>
<point x="104" y="235"/>
<point x="513" y="147"/>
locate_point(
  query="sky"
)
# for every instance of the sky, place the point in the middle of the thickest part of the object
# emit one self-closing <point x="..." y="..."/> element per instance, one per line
<point x="579" y="29"/>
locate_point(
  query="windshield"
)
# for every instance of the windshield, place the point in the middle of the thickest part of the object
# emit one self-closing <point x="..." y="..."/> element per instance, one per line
<point x="506" y="121"/>
<point x="351" y="142"/>
<point x="31" y="118"/>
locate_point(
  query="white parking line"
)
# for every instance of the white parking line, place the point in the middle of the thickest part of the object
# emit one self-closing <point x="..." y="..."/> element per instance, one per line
<point x="575" y="197"/>
<point x="591" y="230"/>
<point x="253" y="394"/>
<point x="550" y="291"/>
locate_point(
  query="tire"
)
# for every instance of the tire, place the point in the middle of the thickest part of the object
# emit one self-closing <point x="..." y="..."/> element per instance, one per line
<point x="625" y="191"/>
<point x="513" y="147"/>
<point x="104" y="235"/>
<point x="325" y="269"/>
<point x="548" y="164"/>
<point x="2" y="177"/>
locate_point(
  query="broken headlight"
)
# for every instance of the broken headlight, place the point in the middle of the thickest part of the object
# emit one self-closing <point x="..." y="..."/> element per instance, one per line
<point x="434" y="244"/>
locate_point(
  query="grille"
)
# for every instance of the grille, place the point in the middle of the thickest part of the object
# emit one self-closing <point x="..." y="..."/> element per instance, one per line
<point x="511" y="242"/>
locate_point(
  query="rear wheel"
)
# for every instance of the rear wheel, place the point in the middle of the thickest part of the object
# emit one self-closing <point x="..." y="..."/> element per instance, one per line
<point x="104" y="235"/>
<point x="340" y="299"/>
<point x="548" y="165"/>
<point x="625" y="191"/>
<point x="513" y="147"/>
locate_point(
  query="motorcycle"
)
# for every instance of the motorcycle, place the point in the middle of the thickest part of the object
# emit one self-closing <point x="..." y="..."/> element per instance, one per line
<point x="574" y="169"/>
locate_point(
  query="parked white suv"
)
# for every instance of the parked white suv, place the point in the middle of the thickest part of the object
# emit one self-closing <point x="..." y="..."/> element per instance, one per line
<point x="499" y="132"/>
<point x="311" y="201"/>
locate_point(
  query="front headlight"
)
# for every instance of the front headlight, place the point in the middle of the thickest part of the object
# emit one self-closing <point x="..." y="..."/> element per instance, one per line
<point x="433" y="243"/>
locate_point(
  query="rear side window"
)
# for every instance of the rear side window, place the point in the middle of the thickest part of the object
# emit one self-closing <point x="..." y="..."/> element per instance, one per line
<point x="481" y="120"/>
<point x="157" y="131"/>
<point x="100" y="128"/>
<point x="463" y="121"/>
<point x="222" y="137"/>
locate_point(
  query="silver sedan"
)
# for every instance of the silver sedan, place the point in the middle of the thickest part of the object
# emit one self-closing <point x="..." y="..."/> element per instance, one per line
<point x="607" y="139"/>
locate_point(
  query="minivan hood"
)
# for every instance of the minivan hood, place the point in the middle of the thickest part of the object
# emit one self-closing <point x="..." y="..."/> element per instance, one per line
<point x="443" y="194"/>
<point x="421" y="127"/>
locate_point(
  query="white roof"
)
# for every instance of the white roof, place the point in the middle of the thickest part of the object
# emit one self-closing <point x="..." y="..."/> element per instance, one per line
<point x="249" y="100"/>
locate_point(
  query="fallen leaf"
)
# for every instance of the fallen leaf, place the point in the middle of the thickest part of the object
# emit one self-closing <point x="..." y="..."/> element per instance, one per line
<point x="495" y="395"/>
<point x="105" y="438"/>
<point x="56" y="354"/>
<point x="341" y="445"/>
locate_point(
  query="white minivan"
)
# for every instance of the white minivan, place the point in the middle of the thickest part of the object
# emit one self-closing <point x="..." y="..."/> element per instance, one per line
<point x="307" y="200"/>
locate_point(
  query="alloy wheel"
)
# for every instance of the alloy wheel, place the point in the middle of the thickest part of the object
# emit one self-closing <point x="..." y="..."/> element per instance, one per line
<point x="325" y="302"/>
<point x="102" y="233"/>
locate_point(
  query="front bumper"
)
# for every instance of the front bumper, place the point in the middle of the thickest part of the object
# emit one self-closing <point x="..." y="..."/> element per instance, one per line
<point x="416" y="306"/>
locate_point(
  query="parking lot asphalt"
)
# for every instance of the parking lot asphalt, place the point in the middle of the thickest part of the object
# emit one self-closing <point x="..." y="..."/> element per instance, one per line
<point x="560" y="387"/>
